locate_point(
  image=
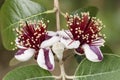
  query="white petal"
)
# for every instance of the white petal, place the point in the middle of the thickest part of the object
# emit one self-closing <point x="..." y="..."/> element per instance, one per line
<point x="46" y="59"/>
<point x="51" y="33"/>
<point x="18" y="44"/>
<point x="92" y="55"/>
<point x="99" y="42"/>
<point x="49" y="42"/>
<point x="65" y="33"/>
<point x="58" y="49"/>
<point x="69" y="43"/>
<point x="24" y="54"/>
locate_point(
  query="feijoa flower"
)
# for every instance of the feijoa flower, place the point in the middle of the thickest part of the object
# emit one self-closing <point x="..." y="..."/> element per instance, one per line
<point x="87" y="29"/>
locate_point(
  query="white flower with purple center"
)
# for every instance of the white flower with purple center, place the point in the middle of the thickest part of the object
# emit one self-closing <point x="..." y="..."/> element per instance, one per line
<point x="33" y="39"/>
<point x="86" y="30"/>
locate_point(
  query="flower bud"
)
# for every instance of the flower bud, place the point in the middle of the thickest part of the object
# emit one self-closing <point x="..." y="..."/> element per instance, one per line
<point x="58" y="49"/>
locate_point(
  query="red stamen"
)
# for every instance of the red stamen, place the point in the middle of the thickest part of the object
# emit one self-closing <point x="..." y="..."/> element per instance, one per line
<point x="31" y="35"/>
<point x="85" y="28"/>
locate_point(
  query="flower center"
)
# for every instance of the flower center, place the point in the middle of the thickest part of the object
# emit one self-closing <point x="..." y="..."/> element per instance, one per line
<point x="31" y="35"/>
<point x="86" y="29"/>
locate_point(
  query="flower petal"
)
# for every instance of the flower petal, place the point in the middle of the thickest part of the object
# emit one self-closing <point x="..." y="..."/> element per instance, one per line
<point x="58" y="49"/>
<point x="65" y="34"/>
<point x="18" y="44"/>
<point x="49" y="42"/>
<point x="24" y="54"/>
<point x="99" y="42"/>
<point x="69" y="43"/>
<point x="51" y="33"/>
<point x="45" y="59"/>
<point x="92" y="53"/>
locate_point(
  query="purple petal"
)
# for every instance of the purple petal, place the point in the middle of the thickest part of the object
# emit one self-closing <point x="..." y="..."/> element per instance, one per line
<point x="24" y="54"/>
<point x="92" y="53"/>
<point x="21" y="51"/>
<point x="46" y="59"/>
<point x="97" y="51"/>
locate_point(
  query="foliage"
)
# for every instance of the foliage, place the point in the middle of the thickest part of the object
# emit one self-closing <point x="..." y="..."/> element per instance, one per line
<point x="31" y="72"/>
<point x="13" y="11"/>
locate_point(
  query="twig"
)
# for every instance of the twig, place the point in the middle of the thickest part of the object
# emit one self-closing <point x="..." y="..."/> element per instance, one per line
<point x="63" y="74"/>
<point x="56" y="6"/>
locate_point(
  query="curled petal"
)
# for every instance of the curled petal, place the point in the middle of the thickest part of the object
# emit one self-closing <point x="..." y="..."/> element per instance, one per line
<point x="65" y="34"/>
<point x="51" y="33"/>
<point x="18" y="44"/>
<point x="49" y="42"/>
<point x="69" y="43"/>
<point x="45" y="59"/>
<point x="24" y="54"/>
<point x="92" y="53"/>
<point x="99" y="42"/>
<point x="58" y="49"/>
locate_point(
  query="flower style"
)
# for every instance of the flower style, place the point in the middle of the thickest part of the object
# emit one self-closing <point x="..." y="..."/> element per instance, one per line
<point x="87" y="29"/>
<point x="33" y="39"/>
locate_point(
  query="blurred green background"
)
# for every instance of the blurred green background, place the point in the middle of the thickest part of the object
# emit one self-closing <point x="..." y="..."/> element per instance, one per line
<point x="109" y="13"/>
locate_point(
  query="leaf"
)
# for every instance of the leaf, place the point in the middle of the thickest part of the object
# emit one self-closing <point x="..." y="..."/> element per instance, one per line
<point x="11" y="13"/>
<point x="79" y="58"/>
<point x="106" y="49"/>
<point x="31" y="72"/>
<point x="14" y="62"/>
<point x="92" y="10"/>
<point x="108" y="69"/>
<point x="42" y="78"/>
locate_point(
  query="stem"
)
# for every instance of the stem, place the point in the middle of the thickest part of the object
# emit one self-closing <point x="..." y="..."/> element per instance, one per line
<point x="63" y="14"/>
<point x="57" y="77"/>
<point x="56" y="6"/>
<point x="62" y="70"/>
<point x="63" y="74"/>
<point x="58" y="12"/>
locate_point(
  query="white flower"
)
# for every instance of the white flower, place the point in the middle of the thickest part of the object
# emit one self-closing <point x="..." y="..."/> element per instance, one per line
<point x="29" y="40"/>
<point x="86" y="30"/>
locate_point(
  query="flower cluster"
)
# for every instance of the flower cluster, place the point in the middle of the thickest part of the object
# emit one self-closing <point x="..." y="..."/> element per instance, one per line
<point x="83" y="36"/>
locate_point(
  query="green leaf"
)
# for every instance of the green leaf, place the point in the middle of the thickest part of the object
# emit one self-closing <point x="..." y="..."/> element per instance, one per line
<point x="11" y="13"/>
<point x="92" y="10"/>
<point x="106" y="49"/>
<point x="79" y="58"/>
<point x="31" y="72"/>
<point x="108" y="69"/>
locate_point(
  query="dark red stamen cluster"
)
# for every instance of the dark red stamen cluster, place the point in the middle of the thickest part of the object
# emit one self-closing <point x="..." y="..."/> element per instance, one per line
<point x="30" y="35"/>
<point x="86" y="29"/>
